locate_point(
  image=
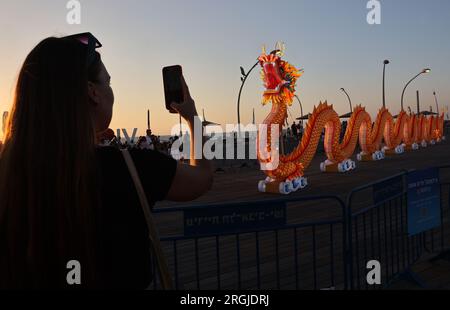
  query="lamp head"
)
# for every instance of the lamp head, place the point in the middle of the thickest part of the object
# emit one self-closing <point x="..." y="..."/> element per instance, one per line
<point x="386" y="62"/>
<point x="427" y="70"/>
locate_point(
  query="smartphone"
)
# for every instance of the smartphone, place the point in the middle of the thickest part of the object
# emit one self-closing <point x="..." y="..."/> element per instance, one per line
<point x="173" y="90"/>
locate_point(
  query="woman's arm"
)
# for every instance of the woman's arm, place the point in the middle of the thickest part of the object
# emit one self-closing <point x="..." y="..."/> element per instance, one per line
<point x="191" y="181"/>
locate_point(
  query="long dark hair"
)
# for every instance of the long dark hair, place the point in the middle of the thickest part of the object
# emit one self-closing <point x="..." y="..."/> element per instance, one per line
<point x="48" y="181"/>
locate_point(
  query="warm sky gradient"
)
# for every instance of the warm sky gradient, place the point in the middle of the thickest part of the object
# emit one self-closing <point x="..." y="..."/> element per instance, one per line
<point x="330" y="39"/>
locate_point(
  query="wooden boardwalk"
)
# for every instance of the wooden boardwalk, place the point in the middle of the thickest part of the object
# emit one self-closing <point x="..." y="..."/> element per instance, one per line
<point x="240" y="184"/>
<point x="295" y="249"/>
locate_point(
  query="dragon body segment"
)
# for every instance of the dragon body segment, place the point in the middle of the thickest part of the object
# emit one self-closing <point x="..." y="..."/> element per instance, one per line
<point x="287" y="175"/>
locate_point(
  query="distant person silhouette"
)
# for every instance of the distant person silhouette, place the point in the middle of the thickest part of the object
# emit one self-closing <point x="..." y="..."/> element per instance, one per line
<point x="294" y="130"/>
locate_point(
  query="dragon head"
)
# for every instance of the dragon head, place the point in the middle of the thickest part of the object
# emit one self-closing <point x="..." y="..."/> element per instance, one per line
<point x="279" y="77"/>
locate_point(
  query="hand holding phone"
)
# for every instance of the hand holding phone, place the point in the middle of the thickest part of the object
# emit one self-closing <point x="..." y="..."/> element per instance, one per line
<point x="177" y="96"/>
<point x="173" y="91"/>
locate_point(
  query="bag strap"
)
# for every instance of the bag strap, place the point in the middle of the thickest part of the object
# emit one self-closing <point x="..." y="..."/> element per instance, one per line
<point x="155" y="244"/>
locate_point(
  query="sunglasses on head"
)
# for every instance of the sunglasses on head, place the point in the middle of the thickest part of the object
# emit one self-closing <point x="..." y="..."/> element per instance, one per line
<point x="88" y="39"/>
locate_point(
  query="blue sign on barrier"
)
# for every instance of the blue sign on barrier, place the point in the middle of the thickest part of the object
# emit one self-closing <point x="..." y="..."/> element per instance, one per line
<point x="424" y="212"/>
<point x="234" y="219"/>
<point x="388" y="189"/>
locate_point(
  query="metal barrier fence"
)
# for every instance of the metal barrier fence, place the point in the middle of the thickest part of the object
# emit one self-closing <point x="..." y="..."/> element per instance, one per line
<point x="379" y="231"/>
<point x="280" y="254"/>
<point x="279" y="244"/>
<point x="438" y="240"/>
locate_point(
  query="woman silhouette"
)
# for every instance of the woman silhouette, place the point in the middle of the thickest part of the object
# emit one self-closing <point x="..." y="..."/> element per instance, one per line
<point x="62" y="197"/>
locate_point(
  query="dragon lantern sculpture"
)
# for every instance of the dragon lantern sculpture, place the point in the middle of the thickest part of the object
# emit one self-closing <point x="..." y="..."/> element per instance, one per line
<point x="405" y="132"/>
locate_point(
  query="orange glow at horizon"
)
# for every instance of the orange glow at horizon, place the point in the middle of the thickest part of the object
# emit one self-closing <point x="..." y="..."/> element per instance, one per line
<point x="212" y="39"/>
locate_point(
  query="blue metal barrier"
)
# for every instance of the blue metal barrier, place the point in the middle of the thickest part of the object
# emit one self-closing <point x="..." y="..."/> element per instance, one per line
<point x="308" y="255"/>
<point x="387" y="233"/>
<point x="221" y="247"/>
<point x="443" y="249"/>
<point x="379" y="231"/>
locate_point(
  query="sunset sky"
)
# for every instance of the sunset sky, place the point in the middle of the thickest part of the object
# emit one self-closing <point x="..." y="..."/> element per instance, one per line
<point x="211" y="39"/>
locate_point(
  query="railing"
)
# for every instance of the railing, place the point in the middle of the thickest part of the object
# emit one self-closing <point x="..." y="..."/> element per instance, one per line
<point x="303" y="242"/>
<point x="379" y="231"/>
<point x="284" y="253"/>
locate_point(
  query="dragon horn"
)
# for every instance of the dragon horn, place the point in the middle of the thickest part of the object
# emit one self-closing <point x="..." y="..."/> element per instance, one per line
<point x="282" y="48"/>
<point x="264" y="50"/>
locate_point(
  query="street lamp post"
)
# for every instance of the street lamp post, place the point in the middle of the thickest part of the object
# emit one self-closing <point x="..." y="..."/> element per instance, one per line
<point x="349" y="100"/>
<point x="427" y="70"/>
<point x="243" y="80"/>
<point x="386" y="62"/>
<point x="418" y="103"/>
<point x="301" y="106"/>
<point x="437" y="105"/>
